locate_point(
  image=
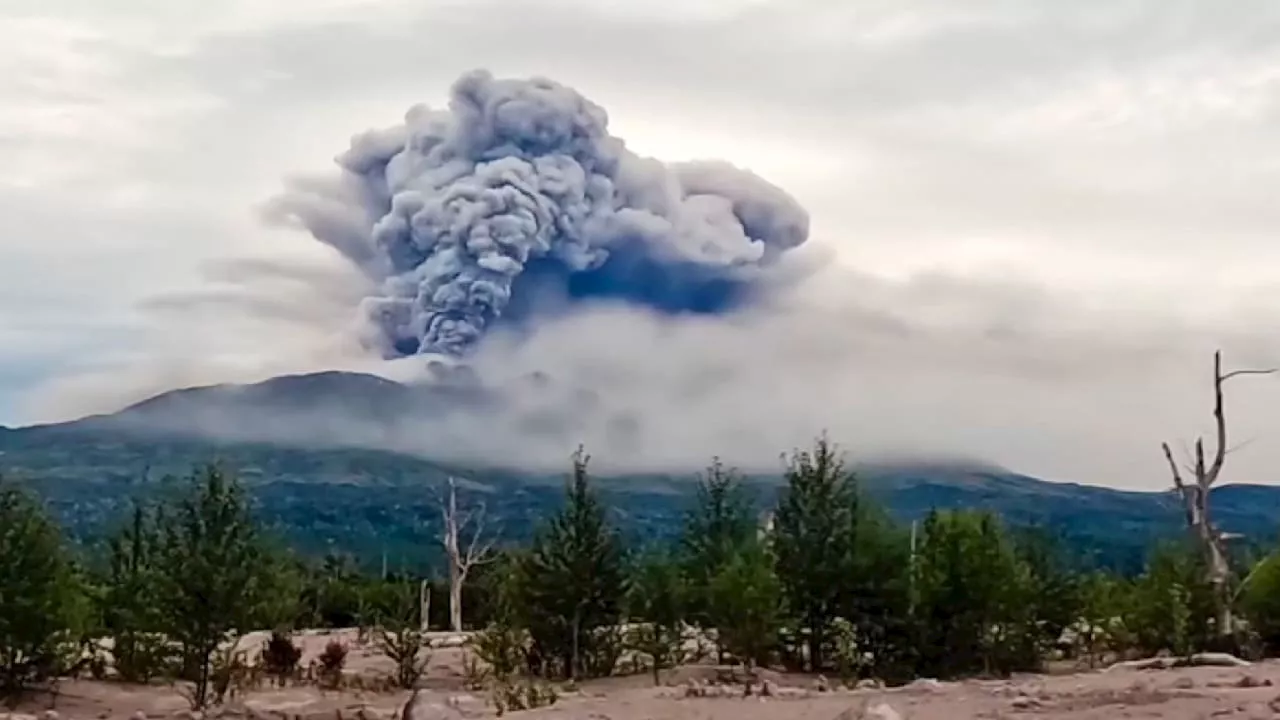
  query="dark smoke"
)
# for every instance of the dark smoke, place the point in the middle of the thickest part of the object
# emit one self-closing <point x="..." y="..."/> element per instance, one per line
<point x="516" y="201"/>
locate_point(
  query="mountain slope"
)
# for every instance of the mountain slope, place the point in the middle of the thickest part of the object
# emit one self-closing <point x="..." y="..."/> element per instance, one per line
<point x="323" y="498"/>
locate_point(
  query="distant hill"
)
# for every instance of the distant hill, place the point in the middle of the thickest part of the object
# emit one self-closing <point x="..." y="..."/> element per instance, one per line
<point x="321" y="498"/>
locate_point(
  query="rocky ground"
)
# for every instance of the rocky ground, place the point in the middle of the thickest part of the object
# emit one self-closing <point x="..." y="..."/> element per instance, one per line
<point x="698" y="693"/>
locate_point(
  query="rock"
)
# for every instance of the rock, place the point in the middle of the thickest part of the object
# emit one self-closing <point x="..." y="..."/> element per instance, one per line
<point x="188" y="714"/>
<point x="821" y="684"/>
<point x="767" y="688"/>
<point x="138" y="715"/>
<point x="1184" y="683"/>
<point x="881" y="711"/>
<point x="1025" y="703"/>
<point x="1252" y="681"/>
<point x="49" y="715"/>
<point x="925" y="684"/>
<point x="869" y="684"/>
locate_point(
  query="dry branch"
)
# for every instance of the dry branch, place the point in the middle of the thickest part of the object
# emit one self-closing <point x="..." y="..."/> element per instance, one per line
<point x="1196" y="660"/>
<point x="463" y="556"/>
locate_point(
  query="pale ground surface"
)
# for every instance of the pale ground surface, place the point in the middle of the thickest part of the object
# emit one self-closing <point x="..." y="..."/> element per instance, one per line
<point x="1187" y="694"/>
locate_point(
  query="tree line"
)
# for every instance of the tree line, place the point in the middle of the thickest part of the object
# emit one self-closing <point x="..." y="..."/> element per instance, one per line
<point x="825" y="583"/>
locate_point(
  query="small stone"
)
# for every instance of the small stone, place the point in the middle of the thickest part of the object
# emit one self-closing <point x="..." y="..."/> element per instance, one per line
<point x="1250" y="681"/>
<point x="1184" y="683"/>
<point x="49" y="715"/>
<point x="1025" y="703"/>
<point x="868" y="684"/>
<point x="138" y="715"/>
<point x="881" y="711"/>
<point x="821" y="684"/>
<point x="926" y="684"/>
<point x="767" y="689"/>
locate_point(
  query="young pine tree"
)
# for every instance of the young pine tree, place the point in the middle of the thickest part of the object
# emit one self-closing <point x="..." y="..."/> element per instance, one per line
<point x="130" y="606"/>
<point x="572" y="584"/>
<point x="972" y="601"/>
<point x="718" y="526"/>
<point x="747" y="596"/>
<point x="214" y="574"/>
<point x="876" y="595"/>
<point x="38" y="594"/>
<point x="811" y="540"/>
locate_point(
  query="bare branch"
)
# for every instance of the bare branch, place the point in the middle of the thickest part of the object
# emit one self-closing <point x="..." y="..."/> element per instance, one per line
<point x="1196" y="497"/>
<point x="1241" y="446"/>
<point x="1219" y="417"/>
<point x="1180" y="486"/>
<point x="1262" y="371"/>
<point x="1173" y="467"/>
<point x="463" y="555"/>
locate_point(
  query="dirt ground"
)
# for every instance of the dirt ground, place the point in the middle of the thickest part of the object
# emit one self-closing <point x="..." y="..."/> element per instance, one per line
<point x="1185" y="693"/>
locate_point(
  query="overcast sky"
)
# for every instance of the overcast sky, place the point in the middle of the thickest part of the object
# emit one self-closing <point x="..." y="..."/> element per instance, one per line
<point x="1037" y="219"/>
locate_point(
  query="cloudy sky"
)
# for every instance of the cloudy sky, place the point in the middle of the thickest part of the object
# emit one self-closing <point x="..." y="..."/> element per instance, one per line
<point x="1036" y="219"/>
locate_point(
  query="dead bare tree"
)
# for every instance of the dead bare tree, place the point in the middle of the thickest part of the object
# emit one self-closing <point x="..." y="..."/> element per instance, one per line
<point x="1195" y="495"/>
<point x="463" y="553"/>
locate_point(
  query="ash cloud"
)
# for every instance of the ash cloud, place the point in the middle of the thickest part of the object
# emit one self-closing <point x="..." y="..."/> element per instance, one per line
<point x="515" y="201"/>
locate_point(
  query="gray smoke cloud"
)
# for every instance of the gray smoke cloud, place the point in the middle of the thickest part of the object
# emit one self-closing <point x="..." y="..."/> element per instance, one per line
<point x="517" y="193"/>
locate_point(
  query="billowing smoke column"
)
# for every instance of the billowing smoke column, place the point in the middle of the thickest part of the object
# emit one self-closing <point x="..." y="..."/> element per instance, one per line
<point x="516" y="198"/>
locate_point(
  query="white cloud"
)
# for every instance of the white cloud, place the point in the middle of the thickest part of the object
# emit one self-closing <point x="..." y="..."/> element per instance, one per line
<point x="1091" y="182"/>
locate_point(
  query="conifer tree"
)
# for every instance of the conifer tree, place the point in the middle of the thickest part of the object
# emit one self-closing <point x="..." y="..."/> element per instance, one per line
<point x="214" y="573"/>
<point x="811" y="540"/>
<point x="657" y="603"/>
<point x="572" y="584"/>
<point x="747" y="597"/>
<point x="718" y="526"/>
<point x="38" y="594"/>
<point x="130" y="606"/>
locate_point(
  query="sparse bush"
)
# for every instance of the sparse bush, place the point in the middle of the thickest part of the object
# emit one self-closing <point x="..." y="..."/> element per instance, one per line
<point x="502" y="649"/>
<point x="230" y="676"/>
<point x="280" y="657"/>
<point x="332" y="661"/>
<point x="400" y="637"/>
<point x="407" y="648"/>
<point x="1172" y="606"/>
<point x="522" y="693"/>
<point x="145" y="657"/>
<point x="658" y="599"/>
<point x="1260" y="602"/>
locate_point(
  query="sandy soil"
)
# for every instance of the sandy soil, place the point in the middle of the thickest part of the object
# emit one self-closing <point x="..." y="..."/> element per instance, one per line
<point x="1186" y="693"/>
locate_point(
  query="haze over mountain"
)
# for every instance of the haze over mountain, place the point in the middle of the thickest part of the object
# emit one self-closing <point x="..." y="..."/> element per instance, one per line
<point x="326" y="487"/>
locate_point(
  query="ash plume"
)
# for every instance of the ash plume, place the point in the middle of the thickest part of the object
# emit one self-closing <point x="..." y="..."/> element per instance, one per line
<point x="515" y="202"/>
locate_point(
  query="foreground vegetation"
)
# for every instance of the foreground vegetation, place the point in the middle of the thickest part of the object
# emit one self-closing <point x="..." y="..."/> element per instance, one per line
<point x="830" y="584"/>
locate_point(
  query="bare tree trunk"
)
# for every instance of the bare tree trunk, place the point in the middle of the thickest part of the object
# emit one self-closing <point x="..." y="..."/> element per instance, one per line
<point x="424" y="605"/>
<point x="1195" y="498"/>
<point x="461" y="557"/>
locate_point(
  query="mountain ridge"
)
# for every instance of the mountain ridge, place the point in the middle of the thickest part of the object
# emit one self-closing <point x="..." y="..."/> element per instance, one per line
<point x="352" y="498"/>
